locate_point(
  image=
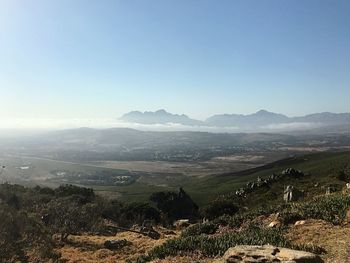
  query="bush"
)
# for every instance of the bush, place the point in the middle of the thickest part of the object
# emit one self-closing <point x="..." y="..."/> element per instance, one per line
<point x="218" y="208"/>
<point x="139" y="212"/>
<point x="66" y="216"/>
<point x="175" y="205"/>
<point x="126" y="215"/>
<point x="289" y="217"/>
<point x="344" y="174"/>
<point x="217" y="245"/>
<point x="84" y="195"/>
<point x="329" y="208"/>
<point x="332" y="208"/>
<point x="198" y="229"/>
<point x="20" y="234"/>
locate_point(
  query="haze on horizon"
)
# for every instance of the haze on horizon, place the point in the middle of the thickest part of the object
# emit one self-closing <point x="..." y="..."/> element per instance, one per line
<point x="80" y="62"/>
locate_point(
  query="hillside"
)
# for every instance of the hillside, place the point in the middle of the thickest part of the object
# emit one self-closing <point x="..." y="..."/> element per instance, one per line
<point x="71" y="223"/>
<point x="321" y="171"/>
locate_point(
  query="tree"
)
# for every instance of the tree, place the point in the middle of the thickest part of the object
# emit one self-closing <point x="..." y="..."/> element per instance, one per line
<point x="67" y="216"/>
<point x="175" y="205"/>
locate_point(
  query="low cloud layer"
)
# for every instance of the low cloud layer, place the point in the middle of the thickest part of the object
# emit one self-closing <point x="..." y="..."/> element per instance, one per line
<point x="292" y="126"/>
<point x="55" y="124"/>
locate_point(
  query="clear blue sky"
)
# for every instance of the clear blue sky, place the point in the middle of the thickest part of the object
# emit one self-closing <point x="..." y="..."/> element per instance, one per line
<point x="100" y="59"/>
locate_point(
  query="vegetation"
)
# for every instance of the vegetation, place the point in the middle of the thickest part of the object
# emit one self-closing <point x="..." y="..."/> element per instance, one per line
<point x="21" y="233"/>
<point x="332" y="209"/>
<point x="30" y="217"/>
<point x="208" y="228"/>
<point x="245" y="231"/>
<point x="212" y="246"/>
<point x="218" y="208"/>
<point x="176" y="205"/>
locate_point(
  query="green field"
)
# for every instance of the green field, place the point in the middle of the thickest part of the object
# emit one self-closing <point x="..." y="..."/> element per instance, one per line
<point x="321" y="168"/>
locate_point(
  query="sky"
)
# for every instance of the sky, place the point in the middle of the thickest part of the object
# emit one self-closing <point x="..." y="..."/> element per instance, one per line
<point x="84" y="59"/>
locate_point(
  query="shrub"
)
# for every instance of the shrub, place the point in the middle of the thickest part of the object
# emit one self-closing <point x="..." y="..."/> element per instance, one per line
<point x="139" y="212"/>
<point x="66" y="216"/>
<point x="329" y="208"/>
<point x="198" y="229"/>
<point x="20" y="234"/>
<point x="175" y="205"/>
<point x="82" y="194"/>
<point x="217" y="245"/>
<point x="218" y="208"/>
<point x="332" y="208"/>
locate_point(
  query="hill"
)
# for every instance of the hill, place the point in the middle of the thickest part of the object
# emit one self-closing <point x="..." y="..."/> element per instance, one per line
<point x="250" y="121"/>
<point x="243" y="208"/>
<point x="321" y="171"/>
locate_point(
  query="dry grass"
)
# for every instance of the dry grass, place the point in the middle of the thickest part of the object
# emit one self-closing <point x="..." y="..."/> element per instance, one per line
<point x="334" y="239"/>
<point x="88" y="248"/>
<point x="184" y="259"/>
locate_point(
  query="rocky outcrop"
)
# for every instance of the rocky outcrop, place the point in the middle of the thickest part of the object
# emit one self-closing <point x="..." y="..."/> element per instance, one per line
<point x="267" y="254"/>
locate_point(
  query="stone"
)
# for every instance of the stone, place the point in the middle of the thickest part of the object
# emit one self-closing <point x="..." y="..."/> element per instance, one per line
<point x="299" y="223"/>
<point x="274" y="224"/>
<point x="182" y="224"/>
<point x="267" y="254"/>
<point x="347" y="218"/>
<point x="291" y="194"/>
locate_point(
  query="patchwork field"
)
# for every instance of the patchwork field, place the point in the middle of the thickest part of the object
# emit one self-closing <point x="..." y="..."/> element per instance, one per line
<point x="136" y="180"/>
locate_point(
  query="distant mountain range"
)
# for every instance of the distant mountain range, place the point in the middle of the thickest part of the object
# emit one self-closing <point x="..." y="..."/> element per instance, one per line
<point x="261" y="120"/>
<point x="159" y="117"/>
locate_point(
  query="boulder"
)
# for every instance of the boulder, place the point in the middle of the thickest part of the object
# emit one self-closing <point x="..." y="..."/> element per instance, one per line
<point x="300" y="222"/>
<point x="267" y="254"/>
<point x="182" y="223"/>
<point x="347" y="218"/>
<point x="274" y="224"/>
<point x="291" y="194"/>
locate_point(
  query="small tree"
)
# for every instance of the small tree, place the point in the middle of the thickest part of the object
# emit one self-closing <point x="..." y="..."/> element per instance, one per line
<point x="175" y="205"/>
<point x="67" y="216"/>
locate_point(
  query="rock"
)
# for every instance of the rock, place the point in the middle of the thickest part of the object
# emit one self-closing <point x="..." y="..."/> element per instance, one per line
<point x="169" y="232"/>
<point x="347" y="218"/>
<point x="182" y="223"/>
<point x="274" y="224"/>
<point x="346" y="189"/>
<point x="299" y="223"/>
<point x="267" y="254"/>
<point x="291" y="194"/>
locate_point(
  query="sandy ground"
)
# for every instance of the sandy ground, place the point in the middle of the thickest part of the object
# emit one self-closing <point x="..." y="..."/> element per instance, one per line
<point x="334" y="239"/>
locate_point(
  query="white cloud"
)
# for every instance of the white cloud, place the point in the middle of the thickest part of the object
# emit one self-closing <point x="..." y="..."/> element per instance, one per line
<point x="54" y="124"/>
<point x="292" y="126"/>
